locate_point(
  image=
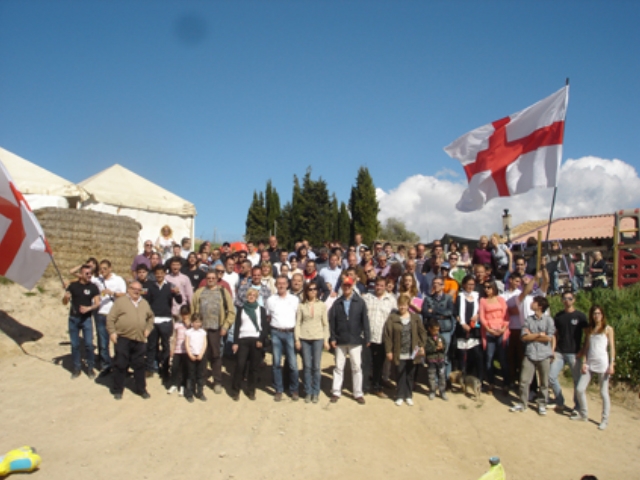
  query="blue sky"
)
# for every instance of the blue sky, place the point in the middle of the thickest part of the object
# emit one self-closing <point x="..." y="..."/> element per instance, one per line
<point x="210" y="99"/>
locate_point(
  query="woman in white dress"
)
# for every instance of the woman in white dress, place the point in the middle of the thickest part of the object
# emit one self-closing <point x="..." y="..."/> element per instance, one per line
<point x="164" y="243"/>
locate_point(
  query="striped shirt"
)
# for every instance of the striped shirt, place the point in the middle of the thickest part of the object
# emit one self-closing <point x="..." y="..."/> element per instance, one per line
<point x="378" y="310"/>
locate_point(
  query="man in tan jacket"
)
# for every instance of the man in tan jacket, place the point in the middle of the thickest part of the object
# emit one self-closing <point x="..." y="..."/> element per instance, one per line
<point x="215" y="306"/>
<point x="129" y="323"/>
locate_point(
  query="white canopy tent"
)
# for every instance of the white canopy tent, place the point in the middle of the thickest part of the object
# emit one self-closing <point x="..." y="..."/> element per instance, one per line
<point x="40" y="187"/>
<point x="119" y="191"/>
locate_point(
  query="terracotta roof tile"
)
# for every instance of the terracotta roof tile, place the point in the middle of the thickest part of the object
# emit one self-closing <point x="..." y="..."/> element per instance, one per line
<point x="572" y="228"/>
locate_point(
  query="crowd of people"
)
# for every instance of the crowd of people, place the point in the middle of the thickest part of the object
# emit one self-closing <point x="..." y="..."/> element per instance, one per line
<point x="392" y="312"/>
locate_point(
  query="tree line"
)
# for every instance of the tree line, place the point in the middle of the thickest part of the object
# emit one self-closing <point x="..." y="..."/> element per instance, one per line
<point x="314" y="214"/>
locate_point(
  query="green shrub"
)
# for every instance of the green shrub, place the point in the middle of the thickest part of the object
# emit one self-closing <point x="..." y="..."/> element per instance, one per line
<point x="622" y="309"/>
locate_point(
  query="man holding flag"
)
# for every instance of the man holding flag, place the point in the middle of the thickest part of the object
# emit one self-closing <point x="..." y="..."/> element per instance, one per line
<point x="514" y="154"/>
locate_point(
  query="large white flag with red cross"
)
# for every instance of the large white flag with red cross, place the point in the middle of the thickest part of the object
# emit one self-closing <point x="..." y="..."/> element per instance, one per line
<point x="24" y="251"/>
<point x="514" y="154"/>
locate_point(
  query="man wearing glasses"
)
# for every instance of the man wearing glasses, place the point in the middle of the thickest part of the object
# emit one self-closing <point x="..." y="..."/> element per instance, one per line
<point x="570" y="324"/>
<point x="85" y="298"/>
<point x="456" y="272"/>
<point x="439" y="306"/>
<point x="129" y="323"/>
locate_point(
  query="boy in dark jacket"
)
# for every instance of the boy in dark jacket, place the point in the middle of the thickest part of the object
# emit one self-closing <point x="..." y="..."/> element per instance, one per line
<point x="435" y="352"/>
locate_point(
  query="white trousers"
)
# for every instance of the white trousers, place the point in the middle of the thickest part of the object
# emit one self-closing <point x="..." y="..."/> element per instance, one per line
<point x="355" y="357"/>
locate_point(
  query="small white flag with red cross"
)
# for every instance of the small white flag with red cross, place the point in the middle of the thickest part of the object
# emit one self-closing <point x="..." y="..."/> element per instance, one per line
<point x="514" y="154"/>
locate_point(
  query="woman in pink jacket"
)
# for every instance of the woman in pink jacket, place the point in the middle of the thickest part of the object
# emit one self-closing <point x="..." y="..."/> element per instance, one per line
<point x="495" y="333"/>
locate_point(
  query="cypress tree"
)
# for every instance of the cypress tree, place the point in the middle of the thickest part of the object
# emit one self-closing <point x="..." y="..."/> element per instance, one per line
<point x="284" y="227"/>
<point x="272" y="206"/>
<point x="344" y="224"/>
<point x="256" y="219"/>
<point x="318" y="212"/>
<point x="298" y="212"/>
<point x="364" y="207"/>
<point x="335" y="218"/>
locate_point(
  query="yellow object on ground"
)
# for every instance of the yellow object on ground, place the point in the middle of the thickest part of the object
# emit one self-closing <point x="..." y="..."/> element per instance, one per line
<point x="24" y="459"/>
<point x="496" y="472"/>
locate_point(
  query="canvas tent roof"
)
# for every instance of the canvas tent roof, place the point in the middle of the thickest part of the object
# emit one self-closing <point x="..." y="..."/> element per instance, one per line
<point x="121" y="187"/>
<point x="31" y="179"/>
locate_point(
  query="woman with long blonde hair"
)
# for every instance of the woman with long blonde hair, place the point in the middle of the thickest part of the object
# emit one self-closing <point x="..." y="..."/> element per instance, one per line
<point x="164" y="243"/>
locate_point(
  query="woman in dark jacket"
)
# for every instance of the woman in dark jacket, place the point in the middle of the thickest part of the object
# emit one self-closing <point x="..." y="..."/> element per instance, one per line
<point x="404" y="340"/>
<point x="469" y="345"/>
<point x="249" y="334"/>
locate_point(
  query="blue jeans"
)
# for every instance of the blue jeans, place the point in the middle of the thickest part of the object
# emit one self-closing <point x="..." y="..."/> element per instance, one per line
<point x="103" y="340"/>
<point x="495" y="346"/>
<point x="283" y="341"/>
<point x="311" y="356"/>
<point x="447" y="338"/>
<point x="86" y="325"/>
<point x="557" y="365"/>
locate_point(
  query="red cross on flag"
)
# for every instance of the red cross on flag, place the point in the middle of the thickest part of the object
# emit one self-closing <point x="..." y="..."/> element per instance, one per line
<point x="514" y="154"/>
<point x="24" y="252"/>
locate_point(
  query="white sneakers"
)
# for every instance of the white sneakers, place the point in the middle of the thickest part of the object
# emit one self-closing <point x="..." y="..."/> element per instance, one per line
<point x="409" y="402"/>
<point x="400" y="401"/>
<point x="181" y="392"/>
<point x="518" y="408"/>
<point x="578" y="417"/>
<point x="172" y="389"/>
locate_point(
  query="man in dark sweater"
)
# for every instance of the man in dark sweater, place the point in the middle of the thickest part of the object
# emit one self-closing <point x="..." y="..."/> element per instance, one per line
<point x="160" y="295"/>
<point x="570" y="323"/>
<point x="349" y="325"/>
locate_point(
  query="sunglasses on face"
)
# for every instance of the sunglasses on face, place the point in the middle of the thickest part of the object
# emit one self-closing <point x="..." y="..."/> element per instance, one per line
<point x="313" y="289"/>
<point x="488" y="286"/>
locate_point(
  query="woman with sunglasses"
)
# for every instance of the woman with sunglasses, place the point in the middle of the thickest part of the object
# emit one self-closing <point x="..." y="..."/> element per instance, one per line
<point x="495" y="333"/>
<point x="311" y="333"/>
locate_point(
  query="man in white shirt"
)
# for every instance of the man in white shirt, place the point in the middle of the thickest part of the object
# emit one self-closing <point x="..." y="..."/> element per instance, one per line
<point x="253" y="256"/>
<point x="230" y="276"/>
<point x="281" y="310"/>
<point x="111" y="286"/>
<point x="186" y="247"/>
<point x="358" y="243"/>
<point x="380" y="304"/>
<point x="331" y="274"/>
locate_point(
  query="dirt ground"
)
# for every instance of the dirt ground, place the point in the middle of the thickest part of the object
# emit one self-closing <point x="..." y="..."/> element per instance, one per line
<point x="82" y="432"/>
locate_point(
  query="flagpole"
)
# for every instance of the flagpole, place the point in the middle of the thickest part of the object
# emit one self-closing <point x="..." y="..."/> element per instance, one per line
<point x="553" y="200"/>
<point x="55" y="265"/>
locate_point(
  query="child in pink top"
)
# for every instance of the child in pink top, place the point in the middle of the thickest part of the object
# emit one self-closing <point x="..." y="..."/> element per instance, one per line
<point x="495" y="332"/>
<point x="179" y="352"/>
<point x="196" y="345"/>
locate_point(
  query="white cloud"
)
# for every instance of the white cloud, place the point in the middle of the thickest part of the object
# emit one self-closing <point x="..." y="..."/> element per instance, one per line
<point x="588" y="186"/>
